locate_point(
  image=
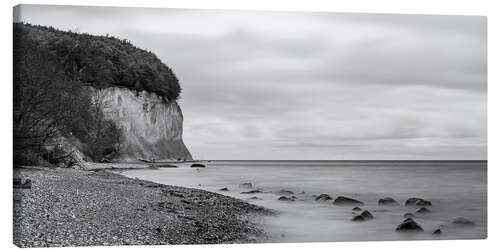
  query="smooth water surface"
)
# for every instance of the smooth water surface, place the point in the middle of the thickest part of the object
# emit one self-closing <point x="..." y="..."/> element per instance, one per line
<point x="454" y="188"/>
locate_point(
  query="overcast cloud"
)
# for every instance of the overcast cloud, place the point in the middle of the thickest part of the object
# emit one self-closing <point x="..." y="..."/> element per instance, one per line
<point x="288" y="85"/>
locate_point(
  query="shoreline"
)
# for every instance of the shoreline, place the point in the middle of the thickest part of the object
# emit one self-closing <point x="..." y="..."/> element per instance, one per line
<point x="70" y="207"/>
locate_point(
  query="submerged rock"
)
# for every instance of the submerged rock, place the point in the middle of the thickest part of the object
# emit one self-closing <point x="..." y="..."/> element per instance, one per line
<point x="246" y="185"/>
<point x="285" y="198"/>
<point x="408" y="215"/>
<point x="423" y="210"/>
<point x="417" y="202"/>
<point x="367" y="215"/>
<point x="346" y="201"/>
<point x="461" y="221"/>
<point x="198" y="165"/>
<point x="165" y="166"/>
<point x="358" y="218"/>
<point x="254" y="198"/>
<point x="388" y="201"/>
<point x="437" y="232"/>
<point x="224" y="189"/>
<point x="356" y="209"/>
<point x="255" y="191"/>
<point x="409" y="225"/>
<point x="323" y="197"/>
<point x="285" y="192"/>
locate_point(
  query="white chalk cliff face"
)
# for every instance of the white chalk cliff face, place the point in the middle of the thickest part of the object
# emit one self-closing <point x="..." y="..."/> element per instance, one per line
<point x="152" y="128"/>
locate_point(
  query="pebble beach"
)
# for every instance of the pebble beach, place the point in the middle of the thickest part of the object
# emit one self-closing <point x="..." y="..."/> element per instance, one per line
<point x="70" y="207"/>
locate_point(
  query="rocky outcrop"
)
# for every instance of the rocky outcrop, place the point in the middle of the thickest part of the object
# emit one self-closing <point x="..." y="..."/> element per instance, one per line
<point x="417" y="202"/>
<point x="152" y="127"/>
<point x="346" y="201"/>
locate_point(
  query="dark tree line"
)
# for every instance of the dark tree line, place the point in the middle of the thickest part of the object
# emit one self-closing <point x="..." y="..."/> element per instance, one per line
<point x="102" y="61"/>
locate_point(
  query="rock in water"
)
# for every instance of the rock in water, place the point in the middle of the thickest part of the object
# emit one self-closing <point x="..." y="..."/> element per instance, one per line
<point x="356" y="209"/>
<point x="197" y="165"/>
<point x="255" y="191"/>
<point x="409" y="225"/>
<point x="323" y="197"/>
<point x="408" y="215"/>
<point x="165" y="166"/>
<point x="437" y="232"/>
<point x="461" y="221"/>
<point x="246" y="185"/>
<point x="224" y="189"/>
<point x="423" y="210"/>
<point x="388" y="201"/>
<point x="358" y="218"/>
<point x="417" y="202"/>
<point x="367" y="215"/>
<point x="346" y="201"/>
<point x="284" y="198"/>
<point x="285" y="192"/>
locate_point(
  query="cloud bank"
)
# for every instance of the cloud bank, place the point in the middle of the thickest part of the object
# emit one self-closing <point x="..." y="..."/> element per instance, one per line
<point x="290" y="85"/>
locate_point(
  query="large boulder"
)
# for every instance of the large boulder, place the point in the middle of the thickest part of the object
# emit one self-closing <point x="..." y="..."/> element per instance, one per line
<point x="387" y="201"/>
<point x="346" y="201"/>
<point x="367" y="215"/>
<point x="408" y="215"/>
<point x="255" y="191"/>
<point x="285" y="192"/>
<point x="323" y="197"/>
<point x="198" y="165"/>
<point x="409" y="225"/>
<point x="423" y="210"/>
<point x="358" y="218"/>
<point x="437" y="232"/>
<point x="417" y="202"/>
<point x="285" y="198"/>
<point x="461" y="221"/>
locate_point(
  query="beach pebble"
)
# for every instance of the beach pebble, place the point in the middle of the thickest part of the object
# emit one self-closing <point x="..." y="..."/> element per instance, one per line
<point x="461" y="221"/>
<point x="417" y="202"/>
<point x="346" y="201"/>
<point x="409" y="225"/>
<point x="388" y="201"/>
<point x="323" y="197"/>
<point x="423" y="210"/>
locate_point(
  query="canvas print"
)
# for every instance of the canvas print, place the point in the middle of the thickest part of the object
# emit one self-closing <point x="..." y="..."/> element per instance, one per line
<point x="152" y="126"/>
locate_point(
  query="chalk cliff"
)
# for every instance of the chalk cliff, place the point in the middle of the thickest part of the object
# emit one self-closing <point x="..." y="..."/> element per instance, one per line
<point x="152" y="128"/>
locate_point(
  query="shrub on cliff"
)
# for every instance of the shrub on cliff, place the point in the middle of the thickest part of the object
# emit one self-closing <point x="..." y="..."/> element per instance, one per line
<point x="103" y="61"/>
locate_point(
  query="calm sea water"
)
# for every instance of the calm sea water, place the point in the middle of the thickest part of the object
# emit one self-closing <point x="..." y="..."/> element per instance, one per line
<point x="455" y="189"/>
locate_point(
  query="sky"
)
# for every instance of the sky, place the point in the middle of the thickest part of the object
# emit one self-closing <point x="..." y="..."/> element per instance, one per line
<point x="311" y="86"/>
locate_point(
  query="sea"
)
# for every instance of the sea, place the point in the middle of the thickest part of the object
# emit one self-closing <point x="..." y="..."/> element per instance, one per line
<point x="455" y="188"/>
